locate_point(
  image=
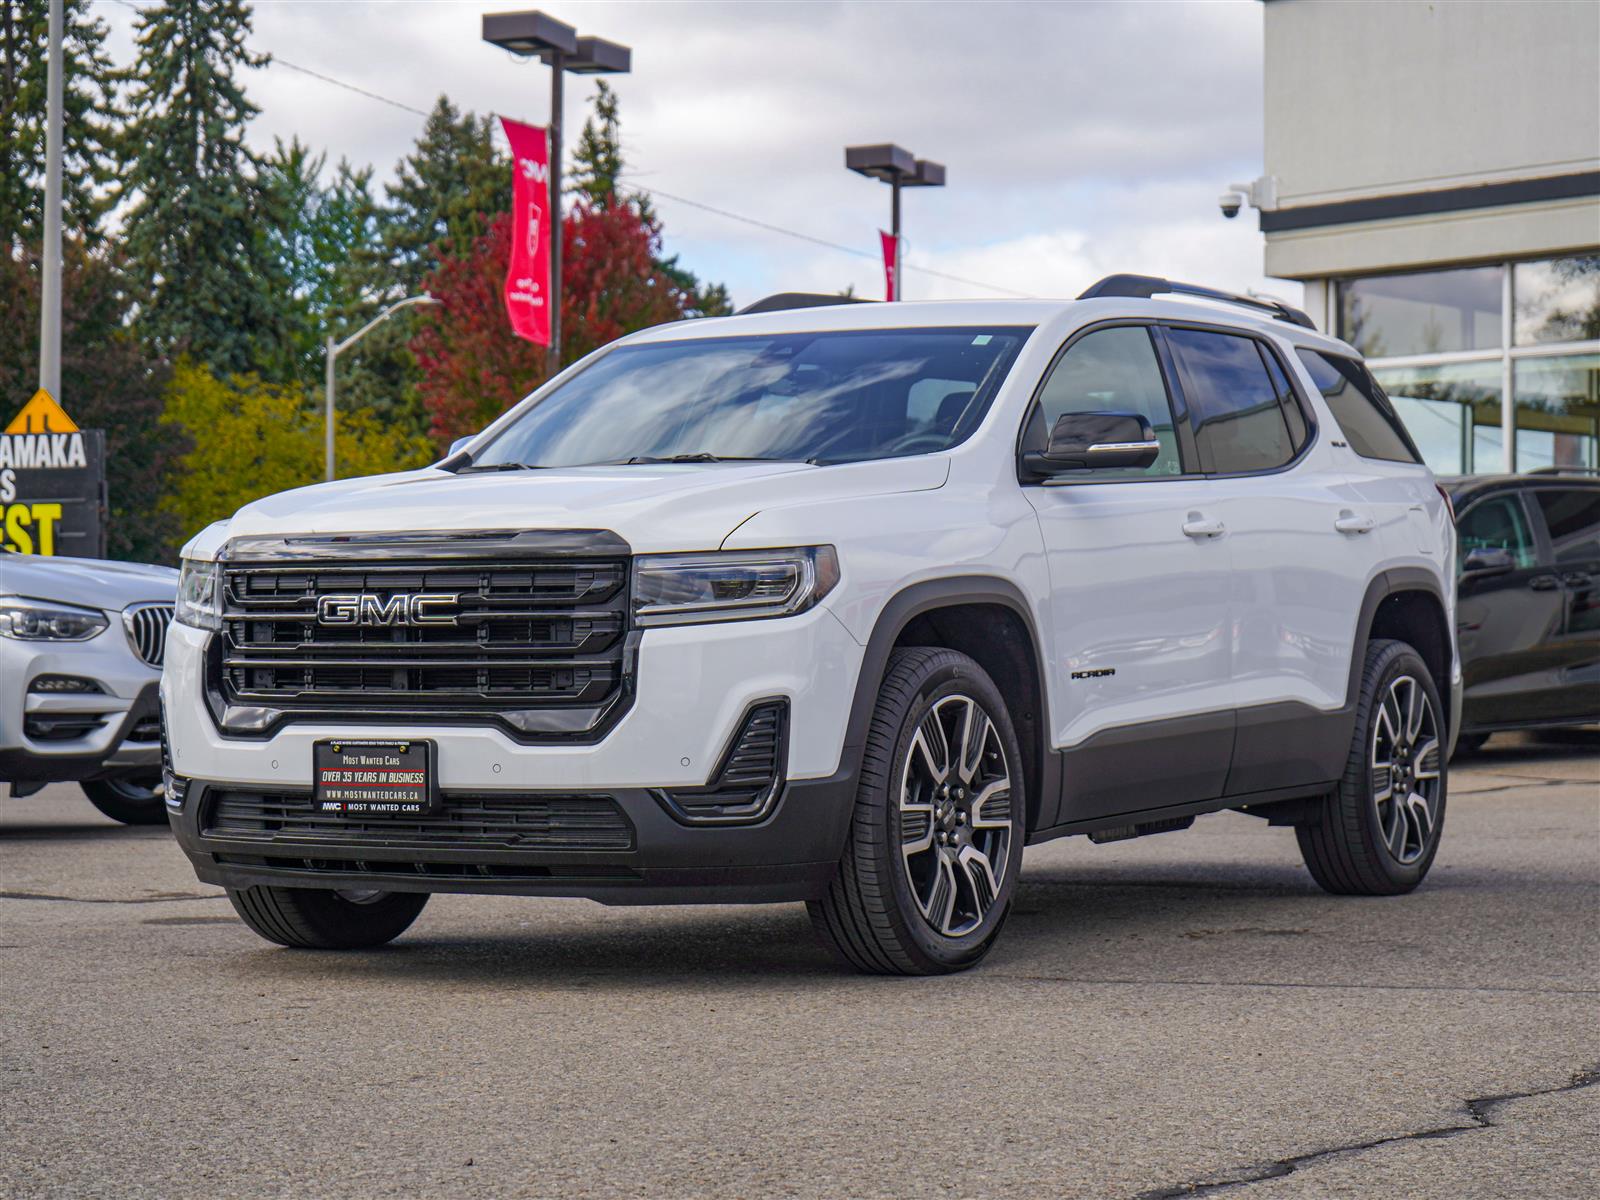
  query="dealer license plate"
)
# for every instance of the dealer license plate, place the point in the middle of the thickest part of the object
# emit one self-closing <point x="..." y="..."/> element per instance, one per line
<point x="368" y="778"/>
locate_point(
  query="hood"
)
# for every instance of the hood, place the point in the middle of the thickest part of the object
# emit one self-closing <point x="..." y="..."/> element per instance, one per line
<point x="88" y="582"/>
<point x="653" y="507"/>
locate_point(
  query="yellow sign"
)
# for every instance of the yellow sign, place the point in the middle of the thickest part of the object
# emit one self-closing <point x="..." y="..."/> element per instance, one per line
<point x="42" y="415"/>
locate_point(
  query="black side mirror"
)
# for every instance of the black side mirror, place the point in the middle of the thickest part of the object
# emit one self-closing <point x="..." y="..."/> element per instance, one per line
<point x="1488" y="560"/>
<point x="1082" y="440"/>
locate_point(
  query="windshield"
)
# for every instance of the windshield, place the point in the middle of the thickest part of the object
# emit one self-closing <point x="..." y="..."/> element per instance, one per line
<point x="803" y="397"/>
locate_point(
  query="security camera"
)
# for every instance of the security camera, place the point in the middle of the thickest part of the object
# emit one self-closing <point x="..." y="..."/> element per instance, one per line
<point x="1230" y="203"/>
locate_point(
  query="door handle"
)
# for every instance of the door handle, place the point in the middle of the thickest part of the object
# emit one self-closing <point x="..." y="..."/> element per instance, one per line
<point x="1544" y="583"/>
<point x="1348" y="522"/>
<point x="1198" y="526"/>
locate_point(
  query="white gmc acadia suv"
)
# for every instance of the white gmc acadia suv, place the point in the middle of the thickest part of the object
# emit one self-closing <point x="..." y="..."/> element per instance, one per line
<point x="834" y="602"/>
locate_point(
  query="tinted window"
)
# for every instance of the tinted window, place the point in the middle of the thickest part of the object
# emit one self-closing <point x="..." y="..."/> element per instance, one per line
<point x="1573" y="518"/>
<point x="825" y="397"/>
<point x="1362" y="410"/>
<point x="1111" y="370"/>
<point x="1496" y="524"/>
<point x="1238" y="422"/>
<point x="1292" y="412"/>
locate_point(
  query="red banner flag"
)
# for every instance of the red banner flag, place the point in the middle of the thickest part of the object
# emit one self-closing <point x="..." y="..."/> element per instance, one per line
<point x="889" y="252"/>
<point x="528" y="279"/>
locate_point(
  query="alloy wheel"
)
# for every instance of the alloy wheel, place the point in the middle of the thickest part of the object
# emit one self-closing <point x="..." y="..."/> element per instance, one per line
<point x="955" y="815"/>
<point x="1405" y="764"/>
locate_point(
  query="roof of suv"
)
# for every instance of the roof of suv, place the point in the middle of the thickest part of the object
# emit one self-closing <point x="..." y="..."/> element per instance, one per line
<point x="849" y="314"/>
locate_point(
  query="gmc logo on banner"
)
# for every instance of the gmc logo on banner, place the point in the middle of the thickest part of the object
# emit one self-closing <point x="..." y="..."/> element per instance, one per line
<point x="402" y="608"/>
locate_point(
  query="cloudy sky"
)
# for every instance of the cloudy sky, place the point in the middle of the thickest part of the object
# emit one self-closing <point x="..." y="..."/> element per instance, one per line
<point x="1080" y="138"/>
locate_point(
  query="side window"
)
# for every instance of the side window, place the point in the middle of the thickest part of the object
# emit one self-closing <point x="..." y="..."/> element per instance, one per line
<point x="1364" y="413"/>
<point x="1292" y="412"/>
<point x="1111" y="370"/>
<point x="1238" y="422"/>
<point x="1573" y="518"/>
<point x="1496" y="524"/>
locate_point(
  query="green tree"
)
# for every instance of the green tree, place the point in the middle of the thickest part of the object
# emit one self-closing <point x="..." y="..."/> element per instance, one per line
<point x="254" y="439"/>
<point x="88" y="120"/>
<point x="320" y="247"/>
<point x="108" y="381"/>
<point x="198" y="263"/>
<point x="444" y="193"/>
<point x="598" y="166"/>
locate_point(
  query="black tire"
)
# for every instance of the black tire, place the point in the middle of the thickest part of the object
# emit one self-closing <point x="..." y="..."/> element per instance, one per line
<point x="1469" y="744"/>
<point x="133" y="800"/>
<point x="316" y="919"/>
<point x="1345" y="847"/>
<point x="870" y="913"/>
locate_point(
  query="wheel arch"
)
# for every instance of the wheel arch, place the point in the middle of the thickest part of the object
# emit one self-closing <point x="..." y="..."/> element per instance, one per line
<point x="1408" y="604"/>
<point x="988" y="619"/>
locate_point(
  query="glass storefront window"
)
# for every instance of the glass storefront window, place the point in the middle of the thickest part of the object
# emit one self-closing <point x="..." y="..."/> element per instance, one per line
<point x="1557" y="300"/>
<point x="1557" y="411"/>
<point x="1452" y="413"/>
<point x="1430" y="312"/>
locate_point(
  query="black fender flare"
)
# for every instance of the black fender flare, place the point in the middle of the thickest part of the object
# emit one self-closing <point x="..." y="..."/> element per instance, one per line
<point x="1394" y="582"/>
<point x="1044" y="772"/>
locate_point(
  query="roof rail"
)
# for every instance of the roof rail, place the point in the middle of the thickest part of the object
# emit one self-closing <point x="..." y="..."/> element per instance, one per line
<point x="787" y="300"/>
<point x="1559" y="470"/>
<point x="1145" y="286"/>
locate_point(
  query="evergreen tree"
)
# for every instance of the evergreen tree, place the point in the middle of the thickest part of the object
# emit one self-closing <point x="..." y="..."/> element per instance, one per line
<point x="445" y="192"/>
<point x="597" y="171"/>
<point x="597" y="165"/>
<point x="322" y="248"/>
<point x="88" y="112"/>
<point x="205" y="279"/>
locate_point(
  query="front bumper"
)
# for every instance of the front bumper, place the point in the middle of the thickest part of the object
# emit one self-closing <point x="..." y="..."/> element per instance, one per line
<point x="127" y="701"/>
<point x="792" y="855"/>
<point x="694" y="686"/>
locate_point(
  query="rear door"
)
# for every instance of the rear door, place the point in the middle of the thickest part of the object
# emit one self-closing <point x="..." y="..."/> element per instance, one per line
<point x="1570" y="518"/>
<point x="1508" y="623"/>
<point x="1303" y="553"/>
<point x="1139" y="580"/>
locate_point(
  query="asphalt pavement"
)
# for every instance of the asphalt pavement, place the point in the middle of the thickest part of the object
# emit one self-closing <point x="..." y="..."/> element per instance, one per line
<point x="1181" y="1014"/>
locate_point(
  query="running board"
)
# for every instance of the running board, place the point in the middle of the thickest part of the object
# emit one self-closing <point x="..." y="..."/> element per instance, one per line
<point x="1121" y="833"/>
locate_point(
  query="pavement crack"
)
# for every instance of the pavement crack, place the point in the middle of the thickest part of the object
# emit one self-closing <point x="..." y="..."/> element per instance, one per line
<point x="1479" y="1111"/>
<point x="159" y="898"/>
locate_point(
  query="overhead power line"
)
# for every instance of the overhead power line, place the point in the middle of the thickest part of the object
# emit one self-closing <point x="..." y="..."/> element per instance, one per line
<point x="275" y="60"/>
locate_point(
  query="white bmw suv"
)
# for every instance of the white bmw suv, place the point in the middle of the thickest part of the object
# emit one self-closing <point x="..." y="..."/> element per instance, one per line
<point x="834" y="602"/>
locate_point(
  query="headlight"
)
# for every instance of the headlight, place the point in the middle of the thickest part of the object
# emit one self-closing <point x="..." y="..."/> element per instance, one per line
<point x="198" y="602"/>
<point x="687" y="589"/>
<point x="38" y="621"/>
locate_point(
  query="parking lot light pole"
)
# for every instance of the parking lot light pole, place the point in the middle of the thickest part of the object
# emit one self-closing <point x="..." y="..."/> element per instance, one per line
<point x="331" y="351"/>
<point x="537" y="35"/>
<point x="899" y="168"/>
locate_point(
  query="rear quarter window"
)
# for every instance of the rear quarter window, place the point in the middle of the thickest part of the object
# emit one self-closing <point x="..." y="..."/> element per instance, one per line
<point x="1368" y="420"/>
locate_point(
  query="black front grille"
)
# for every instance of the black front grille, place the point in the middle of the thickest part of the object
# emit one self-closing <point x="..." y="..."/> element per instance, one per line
<point x="522" y="635"/>
<point x="465" y="820"/>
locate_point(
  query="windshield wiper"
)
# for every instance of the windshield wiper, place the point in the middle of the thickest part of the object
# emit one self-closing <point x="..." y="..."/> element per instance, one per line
<point x="505" y="466"/>
<point x="699" y="456"/>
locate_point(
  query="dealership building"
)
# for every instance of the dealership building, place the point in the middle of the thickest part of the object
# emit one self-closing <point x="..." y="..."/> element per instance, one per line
<point x="1432" y="177"/>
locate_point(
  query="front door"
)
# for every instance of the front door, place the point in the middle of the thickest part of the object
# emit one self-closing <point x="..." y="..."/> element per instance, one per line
<point x="1571" y="517"/>
<point x="1139" y="579"/>
<point x="1508" y="622"/>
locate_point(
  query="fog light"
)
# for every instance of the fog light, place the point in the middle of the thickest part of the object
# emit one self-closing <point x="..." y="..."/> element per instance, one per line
<point x="63" y="683"/>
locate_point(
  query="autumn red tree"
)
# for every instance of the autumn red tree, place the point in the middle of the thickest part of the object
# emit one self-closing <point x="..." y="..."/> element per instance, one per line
<point x="474" y="367"/>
